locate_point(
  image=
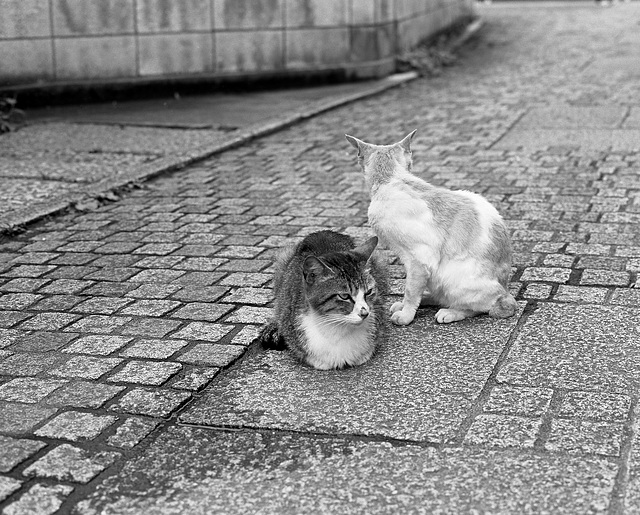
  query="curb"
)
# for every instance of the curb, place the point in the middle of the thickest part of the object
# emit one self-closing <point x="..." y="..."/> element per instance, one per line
<point x="16" y="220"/>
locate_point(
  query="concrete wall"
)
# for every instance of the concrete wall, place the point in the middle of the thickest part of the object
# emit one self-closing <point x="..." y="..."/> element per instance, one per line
<point x="110" y="41"/>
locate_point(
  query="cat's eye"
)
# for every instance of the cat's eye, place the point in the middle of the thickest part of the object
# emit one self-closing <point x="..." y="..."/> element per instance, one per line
<point x="368" y="292"/>
<point x="344" y="296"/>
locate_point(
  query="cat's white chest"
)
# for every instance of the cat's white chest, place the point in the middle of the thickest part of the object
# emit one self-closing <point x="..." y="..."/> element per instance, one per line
<point x="334" y="346"/>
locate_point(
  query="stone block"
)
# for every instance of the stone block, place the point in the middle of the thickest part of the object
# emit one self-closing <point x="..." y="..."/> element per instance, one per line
<point x="316" y="13"/>
<point x="85" y="17"/>
<point x="14" y="451"/>
<point x="169" y="54"/>
<point x="517" y="400"/>
<point x="21" y="418"/>
<point x="75" y="425"/>
<point x="153" y="403"/>
<point x="83" y="394"/>
<point x="132" y="432"/>
<point x="145" y="372"/>
<point x="595" y="405"/>
<point x="29" y="389"/>
<point x="23" y="19"/>
<point x="246" y="52"/>
<point x="212" y="354"/>
<point x="309" y="48"/>
<point x="40" y="499"/>
<point x="69" y="463"/>
<point x="503" y="431"/>
<point x="248" y="14"/>
<point x="167" y="16"/>
<point x="100" y="345"/>
<point x="101" y="57"/>
<point x="583" y="436"/>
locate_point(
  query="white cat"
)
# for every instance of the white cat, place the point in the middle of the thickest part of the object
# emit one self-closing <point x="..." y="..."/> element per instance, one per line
<point x="454" y="245"/>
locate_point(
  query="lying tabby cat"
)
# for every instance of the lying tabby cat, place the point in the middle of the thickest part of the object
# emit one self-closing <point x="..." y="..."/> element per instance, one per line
<point x="328" y="301"/>
<point x="454" y="245"/>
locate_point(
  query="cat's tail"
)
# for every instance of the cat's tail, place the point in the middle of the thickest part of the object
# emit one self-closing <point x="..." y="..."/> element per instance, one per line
<point x="270" y="337"/>
<point x="504" y="306"/>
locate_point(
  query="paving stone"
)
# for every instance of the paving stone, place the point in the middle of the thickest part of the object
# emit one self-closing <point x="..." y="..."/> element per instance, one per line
<point x="42" y="341"/>
<point x="40" y="500"/>
<point x="246" y="279"/>
<point x="250" y="315"/>
<point x="150" y="327"/>
<point x="102" y="324"/>
<point x="85" y="367"/>
<point x="150" y="307"/>
<point x="579" y="294"/>
<point x="23" y="285"/>
<point x="516" y="400"/>
<point x="100" y="345"/>
<point x="212" y="354"/>
<point x="153" y="349"/>
<point x="245" y="336"/>
<point x="14" y="451"/>
<point x="9" y="336"/>
<point x="101" y="305"/>
<point x="196" y="378"/>
<point x="190" y="293"/>
<point x="584" y="436"/>
<point x="17" y="301"/>
<point x="272" y="390"/>
<point x="75" y="425"/>
<point x="83" y="394"/>
<point x="153" y="291"/>
<point x="549" y="354"/>
<point x="626" y="297"/>
<point x="8" y="485"/>
<point x="503" y="431"/>
<point x="132" y="432"/>
<point x="69" y="463"/>
<point x="537" y="291"/>
<point x="29" y="364"/>
<point x="596" y="406"/>
<point x="243" y="472"/>
<point x="49" y="322"/>
<point x="158" y="276"/>
<point x="558" y="275"/>
<point x="153" y="403"/>
<point x="145" y="372"/>
<point x="605" y="277"/>
<point x="21" y="418"/>
<point x="203" y="331"/>
<point x="202" y="311"/>
<point x="9" y="319"/>
<point x="28" y="389"/>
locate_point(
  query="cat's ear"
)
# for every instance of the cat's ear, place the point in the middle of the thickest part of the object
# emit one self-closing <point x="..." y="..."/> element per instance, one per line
<point x="356" y="143"/>
<point x="406" y="142"/>
<point x="312" y="267"/>
<point x="366" y="249"/>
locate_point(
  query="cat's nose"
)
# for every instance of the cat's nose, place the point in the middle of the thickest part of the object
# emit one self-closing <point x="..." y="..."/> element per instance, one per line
<point x="364" y="313"/>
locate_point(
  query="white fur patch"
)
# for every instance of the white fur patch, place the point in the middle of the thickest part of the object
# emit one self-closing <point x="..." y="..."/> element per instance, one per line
<point x="332" y="345"/>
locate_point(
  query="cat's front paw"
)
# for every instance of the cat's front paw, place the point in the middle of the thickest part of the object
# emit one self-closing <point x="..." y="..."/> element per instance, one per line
<point x="396" y="306"/>
<point x="402" y="318"/>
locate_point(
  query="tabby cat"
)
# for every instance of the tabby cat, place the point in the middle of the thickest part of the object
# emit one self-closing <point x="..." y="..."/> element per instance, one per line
<point x="328" y="301"/>
<point x="454" y="245"/>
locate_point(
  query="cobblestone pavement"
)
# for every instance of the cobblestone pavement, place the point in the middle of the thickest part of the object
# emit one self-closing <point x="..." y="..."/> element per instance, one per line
<point x="129" y="382"/>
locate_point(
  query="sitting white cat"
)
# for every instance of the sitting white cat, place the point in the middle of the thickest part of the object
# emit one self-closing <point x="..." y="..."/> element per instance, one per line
<point x="454" y="244"/>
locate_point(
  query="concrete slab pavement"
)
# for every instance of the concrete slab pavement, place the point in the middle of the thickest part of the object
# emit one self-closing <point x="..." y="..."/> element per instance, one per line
<point x="129" y="382"/>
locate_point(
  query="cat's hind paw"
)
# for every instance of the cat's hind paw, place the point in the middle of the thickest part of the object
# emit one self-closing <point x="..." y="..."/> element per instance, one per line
<point x="402" y="317"/>
<point x="446" y="316"/>
<point x="396" y="306"/>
